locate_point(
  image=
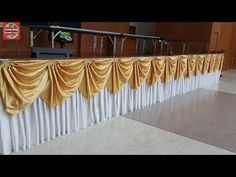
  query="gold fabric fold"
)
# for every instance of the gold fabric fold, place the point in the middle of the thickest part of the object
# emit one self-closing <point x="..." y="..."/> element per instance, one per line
<point x="199" y="64"/>
<point x="221" y="62"/>
<point x="156" y="71"/>
<point x="141" y="68"/>
<point x="64" y="78"/>
<point x="21" y="84"/>
<point x="120" y="73"/>
<point x="96" y="74"/>
<point x="212" y="64"/>
<point x="217" y="62"/>
<point x="170" y="68"/>
<point x="181" y="67"/>
<point x="23" y="81"/>
<point x="191" y="65"/>
<point x="206" y="64"/>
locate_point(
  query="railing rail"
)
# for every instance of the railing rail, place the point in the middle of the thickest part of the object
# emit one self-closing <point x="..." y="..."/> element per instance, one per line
<point x="112" y="36"/>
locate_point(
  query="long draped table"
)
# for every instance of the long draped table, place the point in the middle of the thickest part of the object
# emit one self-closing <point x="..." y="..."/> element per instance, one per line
<point x="41" y="100"/>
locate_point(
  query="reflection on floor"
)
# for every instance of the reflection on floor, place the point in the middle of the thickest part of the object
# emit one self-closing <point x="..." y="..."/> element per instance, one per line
<point x="206" y="115"/>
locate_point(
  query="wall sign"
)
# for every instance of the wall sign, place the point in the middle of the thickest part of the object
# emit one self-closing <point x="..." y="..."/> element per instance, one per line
<point x="11" y="30"/>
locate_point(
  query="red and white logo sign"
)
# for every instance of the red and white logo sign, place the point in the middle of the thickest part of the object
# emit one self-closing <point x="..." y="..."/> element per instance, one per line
<point x="11" y="30"/>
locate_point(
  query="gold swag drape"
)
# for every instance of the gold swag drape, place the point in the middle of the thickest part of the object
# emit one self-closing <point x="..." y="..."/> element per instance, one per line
<point x="23" y="81"/>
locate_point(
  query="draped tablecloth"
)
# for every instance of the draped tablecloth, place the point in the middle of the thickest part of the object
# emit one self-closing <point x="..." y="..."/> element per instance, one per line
<point x="41" y="100"/>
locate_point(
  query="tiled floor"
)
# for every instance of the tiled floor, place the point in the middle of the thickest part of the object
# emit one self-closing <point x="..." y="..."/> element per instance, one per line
<point x="123" y="136"/>
<point x="204" y="115"/>
<point x="199" y="122"/>
<point x="227" y="83"/>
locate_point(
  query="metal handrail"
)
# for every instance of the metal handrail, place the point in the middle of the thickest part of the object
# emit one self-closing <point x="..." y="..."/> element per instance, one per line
<point x="112" y="36"/>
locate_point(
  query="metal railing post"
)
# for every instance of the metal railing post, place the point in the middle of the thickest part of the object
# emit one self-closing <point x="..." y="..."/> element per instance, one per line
<point x="114" y="46"/>
<point x="31" y="38"/>
<point x="136" y="46"/>
<point x="52" y="38"/>
<point x="94" y="44"/>
<point x="101" y="45"/>
<point x="144" y="41"/>
<point x="162" y="45"/>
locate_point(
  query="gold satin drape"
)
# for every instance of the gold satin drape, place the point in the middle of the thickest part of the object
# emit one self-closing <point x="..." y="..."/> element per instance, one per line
<point x="23" y="81"/>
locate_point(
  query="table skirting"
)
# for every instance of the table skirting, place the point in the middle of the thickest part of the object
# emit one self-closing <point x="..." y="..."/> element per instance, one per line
<point x="39" y="121"/>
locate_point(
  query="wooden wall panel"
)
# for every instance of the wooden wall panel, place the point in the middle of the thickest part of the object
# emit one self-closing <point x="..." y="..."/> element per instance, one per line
<point x="10" y="49"/>
<point x="198" y="33"/>
<point x="87" y="45"/>
<point x="226" y="42"/>
<point x="16" y="49"/>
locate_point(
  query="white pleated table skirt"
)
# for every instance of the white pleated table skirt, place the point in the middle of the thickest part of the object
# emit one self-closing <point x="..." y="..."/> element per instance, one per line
<point x="38" y="123"/>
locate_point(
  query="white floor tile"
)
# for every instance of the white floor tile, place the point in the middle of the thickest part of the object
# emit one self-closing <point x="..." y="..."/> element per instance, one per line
<point x="123" y="136"/>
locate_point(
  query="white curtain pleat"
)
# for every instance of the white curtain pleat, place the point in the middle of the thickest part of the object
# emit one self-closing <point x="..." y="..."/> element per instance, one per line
<point x="39" y="123"/>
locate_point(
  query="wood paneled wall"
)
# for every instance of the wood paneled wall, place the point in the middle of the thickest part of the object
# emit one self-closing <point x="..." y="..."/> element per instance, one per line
<point x="226" y="42"/>
<point x="86" y="42"/>
<point x="82" y="46"/>
<point x="198" y="33"/>
<point x="21" y="48"/>
<point x="16" y="49"/>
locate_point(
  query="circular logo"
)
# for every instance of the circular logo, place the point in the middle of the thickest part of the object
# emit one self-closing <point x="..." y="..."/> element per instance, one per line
<point x="11" y="31"/>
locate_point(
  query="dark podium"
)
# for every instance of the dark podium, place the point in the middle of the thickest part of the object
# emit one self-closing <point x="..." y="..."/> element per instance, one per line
<point x="39" y="52"/>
